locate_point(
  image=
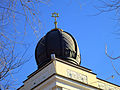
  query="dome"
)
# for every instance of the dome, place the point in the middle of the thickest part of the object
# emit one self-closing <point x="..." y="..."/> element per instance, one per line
<point x="60" y="43"/>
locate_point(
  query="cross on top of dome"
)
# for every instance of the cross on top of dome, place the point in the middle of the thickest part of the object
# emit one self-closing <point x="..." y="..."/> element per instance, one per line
<point x="55" y="15"/>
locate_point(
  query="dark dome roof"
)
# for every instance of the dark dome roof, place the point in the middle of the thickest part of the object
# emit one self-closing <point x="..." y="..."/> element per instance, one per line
<point x="60" y="43"/>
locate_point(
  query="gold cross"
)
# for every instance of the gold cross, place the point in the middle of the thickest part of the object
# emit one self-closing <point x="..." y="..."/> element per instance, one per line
<point x="55" y="15"/>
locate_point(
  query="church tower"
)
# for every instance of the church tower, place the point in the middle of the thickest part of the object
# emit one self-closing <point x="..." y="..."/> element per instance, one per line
<point x="58" y="59"/>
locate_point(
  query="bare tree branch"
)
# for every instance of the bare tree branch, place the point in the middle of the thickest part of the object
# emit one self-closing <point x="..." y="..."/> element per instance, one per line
<point x="9" y="12"/>
<point x="111" y="60"/>
<point x="108" y="6"/>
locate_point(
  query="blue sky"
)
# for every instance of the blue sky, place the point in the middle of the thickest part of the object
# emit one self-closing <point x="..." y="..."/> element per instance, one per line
<point x="91" y="32"/>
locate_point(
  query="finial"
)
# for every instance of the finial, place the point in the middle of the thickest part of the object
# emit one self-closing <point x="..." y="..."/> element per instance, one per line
<point x="55" y="15"/>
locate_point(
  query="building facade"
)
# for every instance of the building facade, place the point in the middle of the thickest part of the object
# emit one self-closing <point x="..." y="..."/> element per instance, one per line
<point x="58" y="59"/>
<point x="61" y="75"/>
